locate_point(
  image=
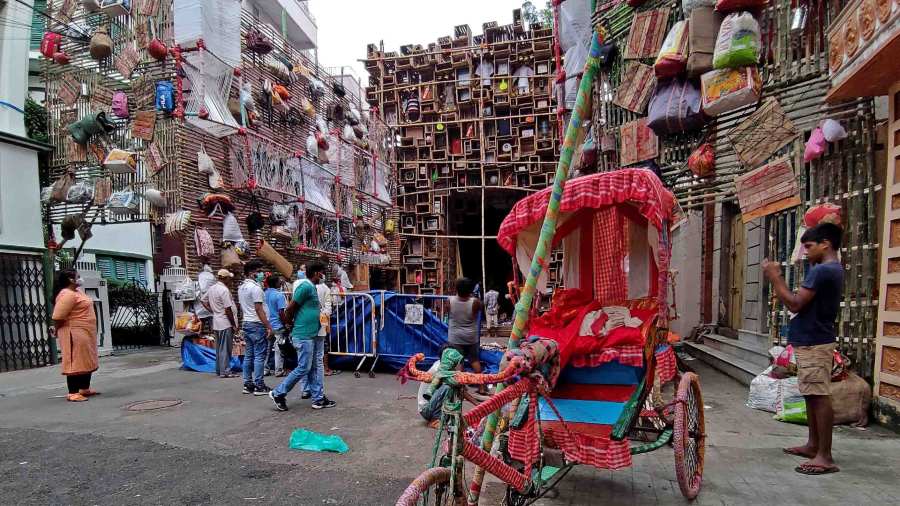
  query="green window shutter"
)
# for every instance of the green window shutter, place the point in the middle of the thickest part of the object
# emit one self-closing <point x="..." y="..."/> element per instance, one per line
<point x="38" y="24"/>
<point x="105" y="266"/>
<point x="121" y="270"/>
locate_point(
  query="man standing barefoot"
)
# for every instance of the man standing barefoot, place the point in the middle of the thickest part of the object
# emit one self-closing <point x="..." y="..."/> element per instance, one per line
<point x="812" y="334"/>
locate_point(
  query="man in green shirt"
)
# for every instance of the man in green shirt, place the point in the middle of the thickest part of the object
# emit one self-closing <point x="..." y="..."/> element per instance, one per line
<point x="304" y="308"/>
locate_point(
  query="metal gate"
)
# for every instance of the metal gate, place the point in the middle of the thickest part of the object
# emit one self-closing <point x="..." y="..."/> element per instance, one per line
<point x="24" y="336"/>
<point x="135" y="319"/>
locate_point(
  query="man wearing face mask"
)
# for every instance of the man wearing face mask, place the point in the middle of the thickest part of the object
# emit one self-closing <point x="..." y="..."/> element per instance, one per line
<point x="305" y="311"/>
<point x="256" y="327"/>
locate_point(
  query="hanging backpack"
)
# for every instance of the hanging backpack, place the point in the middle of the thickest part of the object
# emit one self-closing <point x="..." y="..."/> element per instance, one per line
<point x="165" y="96"/>
<point x="101" y="45"/>
<point x="120" y="104"/>
<point x="50" y="44"/>
<point x="254" y="220"/>
<point x="257" y="42"/>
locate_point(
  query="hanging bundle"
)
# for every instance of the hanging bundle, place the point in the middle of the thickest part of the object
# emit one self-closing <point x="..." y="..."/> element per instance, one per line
<point x="123" y="202"/>
<point x="101" y="45"/>
<point x="119" y="105"/>
<point x="60" y="189"/>
<point x="102" y="190"/>
<point x="702" y="161"/>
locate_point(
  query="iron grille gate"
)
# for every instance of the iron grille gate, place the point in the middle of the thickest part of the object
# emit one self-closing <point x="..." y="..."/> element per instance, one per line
<point x="134" y="317"/>
<point x="24" y="335"/>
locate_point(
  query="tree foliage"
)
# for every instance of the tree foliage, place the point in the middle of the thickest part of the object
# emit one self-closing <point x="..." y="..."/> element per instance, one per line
<point x="534" y="15"/>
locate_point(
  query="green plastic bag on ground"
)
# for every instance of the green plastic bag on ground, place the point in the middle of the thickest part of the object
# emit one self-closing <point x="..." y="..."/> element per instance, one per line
<point x="302" y="439"/>
<point x="793" y="411"/>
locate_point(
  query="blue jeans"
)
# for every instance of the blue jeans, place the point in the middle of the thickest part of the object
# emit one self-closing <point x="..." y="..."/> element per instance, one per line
<point x="315" y="380"/>
<point x="307" y="350"/>
<point x="256" y="347"/>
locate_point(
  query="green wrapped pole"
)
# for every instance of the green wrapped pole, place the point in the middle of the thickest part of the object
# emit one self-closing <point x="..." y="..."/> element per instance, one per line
<point x="548" y="230"/>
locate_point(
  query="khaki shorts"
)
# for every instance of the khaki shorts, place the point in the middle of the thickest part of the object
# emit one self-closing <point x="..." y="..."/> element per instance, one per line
<point x="814" y="365"/>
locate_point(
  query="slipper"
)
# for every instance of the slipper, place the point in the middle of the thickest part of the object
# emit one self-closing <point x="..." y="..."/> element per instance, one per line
<point x="76" y="398"/>
<point x="795" y="452"/>
<point x="815" y="469"/>
<point x="88" y="392"/>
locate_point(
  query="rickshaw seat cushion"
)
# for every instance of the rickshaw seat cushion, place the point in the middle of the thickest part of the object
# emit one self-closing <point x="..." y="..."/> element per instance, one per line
<point x="587" y="412"/>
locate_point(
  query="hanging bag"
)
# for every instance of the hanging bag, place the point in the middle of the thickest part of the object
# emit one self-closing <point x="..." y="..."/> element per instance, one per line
<point x="254" y="220"/>
<point x="177" y="222"/>
<point x="80" y="193"/>
<point x="50" y="43"/>
<point x="231" y="230"/>
<point x="120" y="105"/>
<point x="123" y="202"/>
<point x="203" y="242"/>
<point x="165" y="96"/>
<point x="268" y="253"/>
<point x="60" y="189"/>
<point x="102" y="190"/>
<point x="675" y="108"/>
<point x="156" y="48"/>
<point x="101" y="45"/>
<point x="257" y="42"/>
<point x="230" y="259"/>
<point x="702" y="161"/>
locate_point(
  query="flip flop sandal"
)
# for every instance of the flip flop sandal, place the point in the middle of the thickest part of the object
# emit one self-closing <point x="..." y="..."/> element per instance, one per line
<point x="88" y="392"/>
<point x="815" y="470"/>
<point x="76" y="398"/>
<point x="794" y="452"/>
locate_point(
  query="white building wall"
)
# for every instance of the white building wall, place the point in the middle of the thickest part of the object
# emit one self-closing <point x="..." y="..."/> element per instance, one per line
<point x="15" y="37"/>
<point x="20" y="207"/>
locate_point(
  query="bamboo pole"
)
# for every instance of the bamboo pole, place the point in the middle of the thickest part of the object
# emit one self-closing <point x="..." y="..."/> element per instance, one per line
<point x="548" y="230"/>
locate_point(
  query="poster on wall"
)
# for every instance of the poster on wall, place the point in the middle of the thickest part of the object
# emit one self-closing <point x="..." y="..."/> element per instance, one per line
<point x="767" y="190"/>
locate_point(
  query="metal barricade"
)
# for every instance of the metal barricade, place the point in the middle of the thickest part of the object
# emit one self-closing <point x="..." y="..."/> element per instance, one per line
<point x="415" y="312"/>
<point x="354" y="328"/>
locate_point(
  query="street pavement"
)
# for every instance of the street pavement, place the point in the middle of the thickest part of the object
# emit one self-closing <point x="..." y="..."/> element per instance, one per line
<point x="220" y="447"/>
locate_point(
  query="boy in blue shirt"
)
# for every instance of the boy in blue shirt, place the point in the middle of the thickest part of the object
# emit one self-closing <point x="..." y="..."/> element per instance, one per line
<point x="275" y="306"/>
<point x="812" y="334"/>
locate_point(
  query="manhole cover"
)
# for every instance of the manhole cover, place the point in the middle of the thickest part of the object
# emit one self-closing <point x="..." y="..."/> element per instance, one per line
<point x="153" y="404"/>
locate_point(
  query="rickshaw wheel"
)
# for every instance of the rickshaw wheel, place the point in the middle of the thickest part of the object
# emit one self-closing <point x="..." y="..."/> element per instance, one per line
<point x="690" y="436"/>
<point x="432" y="487"/>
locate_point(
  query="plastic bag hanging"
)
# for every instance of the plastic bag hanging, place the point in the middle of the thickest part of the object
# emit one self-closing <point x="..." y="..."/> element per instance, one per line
<point x="231" y="230"/>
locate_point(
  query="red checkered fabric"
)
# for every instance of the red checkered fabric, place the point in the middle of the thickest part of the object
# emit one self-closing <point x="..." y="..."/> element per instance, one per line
<point x="640" y="187"/>
<point x="598" y="451"/>
<point x="625" y="355"/>
<point x="610" y="280"/>
<point x="523" y="443"/>
<point x="665" y="364"/>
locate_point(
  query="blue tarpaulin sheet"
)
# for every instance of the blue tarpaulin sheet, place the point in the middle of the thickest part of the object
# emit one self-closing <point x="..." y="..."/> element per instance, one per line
<point x="396" y="340"/>
<point x="196" y="357"/>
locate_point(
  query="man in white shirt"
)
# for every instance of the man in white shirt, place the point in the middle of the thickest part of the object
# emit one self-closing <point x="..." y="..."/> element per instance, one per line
<point x="256" y="327"/>
<point x="217" y="300"/>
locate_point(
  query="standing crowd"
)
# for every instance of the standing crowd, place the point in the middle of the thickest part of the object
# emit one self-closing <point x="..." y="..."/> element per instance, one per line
<point x="273" y="326"/>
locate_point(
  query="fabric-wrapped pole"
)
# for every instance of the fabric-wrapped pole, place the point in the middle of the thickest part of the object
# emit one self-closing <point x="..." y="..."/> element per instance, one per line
<point x="548" y="230"/>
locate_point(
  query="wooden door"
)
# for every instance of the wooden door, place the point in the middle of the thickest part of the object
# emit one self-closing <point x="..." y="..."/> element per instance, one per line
<point x="736" y="274"/>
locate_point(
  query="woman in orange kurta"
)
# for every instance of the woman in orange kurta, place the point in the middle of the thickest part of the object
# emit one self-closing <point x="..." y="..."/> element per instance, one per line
<point x="76" y="331"/>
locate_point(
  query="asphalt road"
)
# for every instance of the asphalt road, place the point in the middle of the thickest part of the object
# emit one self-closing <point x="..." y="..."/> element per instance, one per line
<point x="220" y="447"/>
